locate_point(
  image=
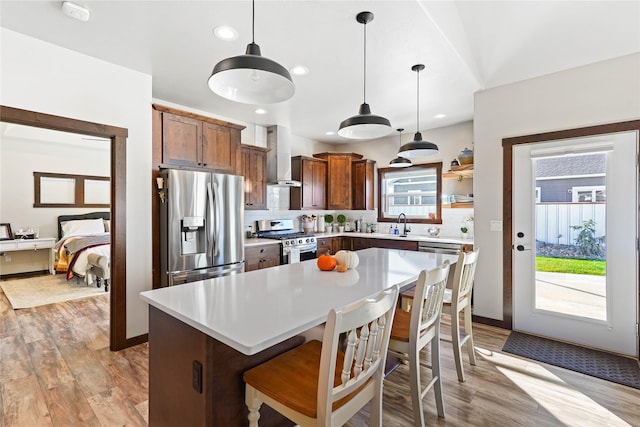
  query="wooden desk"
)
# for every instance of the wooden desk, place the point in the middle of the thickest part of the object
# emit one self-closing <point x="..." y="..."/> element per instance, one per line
<point x="229" y="324"/>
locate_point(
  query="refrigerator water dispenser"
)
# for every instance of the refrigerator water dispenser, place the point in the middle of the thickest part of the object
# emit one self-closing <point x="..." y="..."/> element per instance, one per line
<point x="193" y="239"/>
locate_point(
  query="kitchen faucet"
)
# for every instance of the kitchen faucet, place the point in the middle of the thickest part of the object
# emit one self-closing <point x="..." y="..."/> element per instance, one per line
<point x="404" y="229"/>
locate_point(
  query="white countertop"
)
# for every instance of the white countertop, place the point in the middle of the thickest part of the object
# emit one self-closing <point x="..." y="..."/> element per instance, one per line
<point x="410" y="237"/>
<point x="255" y="310"/>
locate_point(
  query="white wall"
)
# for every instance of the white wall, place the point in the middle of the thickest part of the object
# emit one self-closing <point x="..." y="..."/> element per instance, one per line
<point x="46" y="78"/>
<point x="20" y="157"/>
<point x="595" y="94"/>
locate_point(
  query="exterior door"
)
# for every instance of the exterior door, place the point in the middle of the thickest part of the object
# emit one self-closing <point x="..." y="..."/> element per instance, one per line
<point x="597" y="220"/>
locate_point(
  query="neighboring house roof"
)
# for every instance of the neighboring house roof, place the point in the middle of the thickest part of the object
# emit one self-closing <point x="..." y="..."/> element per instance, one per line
<point x="590" y="164"/>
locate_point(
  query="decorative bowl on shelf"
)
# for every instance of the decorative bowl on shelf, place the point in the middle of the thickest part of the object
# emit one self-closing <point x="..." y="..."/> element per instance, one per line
<point x="466" y="157"/>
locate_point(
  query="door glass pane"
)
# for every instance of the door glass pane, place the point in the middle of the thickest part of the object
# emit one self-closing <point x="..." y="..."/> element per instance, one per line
<point x="570" y="221"/>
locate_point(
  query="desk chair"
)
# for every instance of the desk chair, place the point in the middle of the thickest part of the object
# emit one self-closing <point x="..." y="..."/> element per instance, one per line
<point x="459" y="299"/>
<point x="412" y="331"/>
<point x="317" y="384"/>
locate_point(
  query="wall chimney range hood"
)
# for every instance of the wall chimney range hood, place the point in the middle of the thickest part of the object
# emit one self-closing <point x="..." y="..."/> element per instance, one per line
<point x="279" y="157"/>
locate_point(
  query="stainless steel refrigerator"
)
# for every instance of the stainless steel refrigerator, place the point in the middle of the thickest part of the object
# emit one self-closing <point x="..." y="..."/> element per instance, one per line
<point x="201" y="226"/>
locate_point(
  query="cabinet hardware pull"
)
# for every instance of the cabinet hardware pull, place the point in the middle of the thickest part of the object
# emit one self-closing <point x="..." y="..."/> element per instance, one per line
<point x="261" y="251"/>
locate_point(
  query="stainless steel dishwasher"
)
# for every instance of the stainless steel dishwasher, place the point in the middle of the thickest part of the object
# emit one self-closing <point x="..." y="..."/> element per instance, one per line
<point x="448" y="248"/>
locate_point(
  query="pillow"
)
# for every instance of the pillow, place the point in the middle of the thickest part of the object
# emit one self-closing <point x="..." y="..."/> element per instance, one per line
<point x="82" y="227"/>
<point x="107" y="225"/>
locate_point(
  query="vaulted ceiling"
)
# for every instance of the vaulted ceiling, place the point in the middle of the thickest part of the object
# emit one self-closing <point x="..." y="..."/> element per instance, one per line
<point x="467" y="46"/>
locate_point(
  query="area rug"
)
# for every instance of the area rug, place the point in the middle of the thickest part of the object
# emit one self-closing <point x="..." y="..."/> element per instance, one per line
<point x="43" y="290"/>
<point x="591" y="362"/>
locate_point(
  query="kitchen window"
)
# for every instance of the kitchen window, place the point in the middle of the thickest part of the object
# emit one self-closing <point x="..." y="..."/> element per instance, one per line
<point x="414" y="191"/>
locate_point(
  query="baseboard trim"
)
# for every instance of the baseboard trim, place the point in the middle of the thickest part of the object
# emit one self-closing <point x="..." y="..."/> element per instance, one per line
<point x="490" y="322"/>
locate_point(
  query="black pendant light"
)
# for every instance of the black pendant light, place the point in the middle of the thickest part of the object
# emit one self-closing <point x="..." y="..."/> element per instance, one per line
<point x="400" y="162"/>
<point x="364" y="125"/>
<point x="418" y="148"/>
<point x="251" y="78"/>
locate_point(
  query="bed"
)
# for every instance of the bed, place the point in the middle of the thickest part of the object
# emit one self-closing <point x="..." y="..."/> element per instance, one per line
<point x="84" y="241"/>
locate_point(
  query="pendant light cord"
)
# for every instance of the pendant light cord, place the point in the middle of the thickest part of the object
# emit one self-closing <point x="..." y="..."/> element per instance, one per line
<point x="253" y="21"/>
<point x="418" y="102"/>
<point x="364" y="89"/>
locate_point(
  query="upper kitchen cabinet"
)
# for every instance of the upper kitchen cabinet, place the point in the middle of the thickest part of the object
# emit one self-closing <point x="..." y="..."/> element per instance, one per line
<point x="362" y="175"/>
<point x="254" y="166"/>
<point x="195" y="141"/>
<point x="339" y="178"/>
<point x="312" y="173"/>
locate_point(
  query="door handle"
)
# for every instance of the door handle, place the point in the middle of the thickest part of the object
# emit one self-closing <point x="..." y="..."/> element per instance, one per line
<point x="521" y="248"/>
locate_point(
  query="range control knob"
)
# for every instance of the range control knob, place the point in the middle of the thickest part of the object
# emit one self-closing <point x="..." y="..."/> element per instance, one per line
<point x="286" y="243"/>
<point x="300" y="241"/>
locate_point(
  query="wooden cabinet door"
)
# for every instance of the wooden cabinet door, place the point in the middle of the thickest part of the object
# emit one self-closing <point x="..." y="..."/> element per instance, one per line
<point x="336" y="244"/>
<point x="339" y="182"/>
<point x="254" y="167"/>
<point x="181" y="140"/>
<point x="219" y="148"/>
<point x="324" y="245"/>
<point x="312" y="174"/>
<point x="261" y="256"/>
<point x="319" y="184"/>
<point x="394" y="244"/>
<point x="361" y="243"/>
<point x="363" y="185"/>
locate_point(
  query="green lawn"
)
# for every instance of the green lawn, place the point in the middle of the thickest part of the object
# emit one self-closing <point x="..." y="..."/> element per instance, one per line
<point x="569" y="265"/>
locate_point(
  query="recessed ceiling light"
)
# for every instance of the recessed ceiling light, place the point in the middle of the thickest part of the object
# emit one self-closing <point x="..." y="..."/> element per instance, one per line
<point x="329" y="133"/>
<point x="75" y="11"/>
<point x="225" y="33"/>
<point x="299" y="70"/>
<point x="260" y="111"/>
<point x="439" y="116"/>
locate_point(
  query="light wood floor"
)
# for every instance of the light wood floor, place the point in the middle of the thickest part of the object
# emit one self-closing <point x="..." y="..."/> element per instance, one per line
<point x="56" y="370"/>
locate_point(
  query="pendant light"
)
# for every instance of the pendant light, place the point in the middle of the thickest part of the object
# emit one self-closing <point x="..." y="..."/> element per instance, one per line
<point x="364" y="125"/>
<point x="251" y="78"/>
<point x="400" y="162"/>
<point x="418" y="147"/>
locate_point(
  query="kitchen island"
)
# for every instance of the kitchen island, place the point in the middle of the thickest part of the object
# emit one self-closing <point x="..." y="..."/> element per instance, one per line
<point x="204" y="335"/>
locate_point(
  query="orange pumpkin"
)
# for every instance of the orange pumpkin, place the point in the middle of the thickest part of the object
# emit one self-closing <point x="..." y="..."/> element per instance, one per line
<point x="326" y="262"/>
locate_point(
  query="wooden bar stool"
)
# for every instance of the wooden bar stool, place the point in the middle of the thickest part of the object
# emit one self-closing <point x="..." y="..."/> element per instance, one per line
<point x="412" y="331"/>
<point x="317" y="384"/>
<point x="458" y="300"/>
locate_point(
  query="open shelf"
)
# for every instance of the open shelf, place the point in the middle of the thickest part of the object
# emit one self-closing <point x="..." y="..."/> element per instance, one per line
<point x="459" y="172"/>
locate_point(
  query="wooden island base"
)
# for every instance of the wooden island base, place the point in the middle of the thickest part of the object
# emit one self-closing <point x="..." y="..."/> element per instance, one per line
<point x="175" y="351"/>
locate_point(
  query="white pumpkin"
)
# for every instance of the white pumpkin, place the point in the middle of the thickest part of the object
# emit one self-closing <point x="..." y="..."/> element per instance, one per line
<point x="348" y="258"/>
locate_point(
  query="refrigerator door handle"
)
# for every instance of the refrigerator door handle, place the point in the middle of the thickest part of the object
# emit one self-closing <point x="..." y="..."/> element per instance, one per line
<point x="210" y="233"/>
<point x="216" y="203"/>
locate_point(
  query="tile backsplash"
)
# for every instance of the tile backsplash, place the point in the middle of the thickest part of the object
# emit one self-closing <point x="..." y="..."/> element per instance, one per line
<point x="278" y="208"/>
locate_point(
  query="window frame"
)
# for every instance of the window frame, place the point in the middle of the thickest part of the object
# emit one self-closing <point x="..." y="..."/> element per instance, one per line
<point x="382" y="172"/>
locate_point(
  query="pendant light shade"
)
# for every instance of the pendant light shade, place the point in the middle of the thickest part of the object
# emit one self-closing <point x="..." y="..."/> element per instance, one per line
<point x="364" y="125"/>
<point x="251" y="78"/>
<point x="418" y="148"/>
<point x="400" y="162"/>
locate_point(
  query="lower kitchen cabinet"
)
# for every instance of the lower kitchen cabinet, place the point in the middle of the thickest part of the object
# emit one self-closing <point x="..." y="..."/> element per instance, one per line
<point x="325" y="244"/>
<point x="393" y="244"/>
<point x="261" y="256"/>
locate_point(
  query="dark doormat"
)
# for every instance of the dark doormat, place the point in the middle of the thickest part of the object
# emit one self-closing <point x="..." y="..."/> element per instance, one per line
<point x="596" y="363"/>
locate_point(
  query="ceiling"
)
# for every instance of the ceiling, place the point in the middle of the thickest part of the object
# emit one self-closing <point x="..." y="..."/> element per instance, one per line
<point x="467" y="46"/>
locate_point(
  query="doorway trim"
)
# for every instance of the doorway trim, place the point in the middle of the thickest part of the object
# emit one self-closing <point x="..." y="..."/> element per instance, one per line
<point x="118" y="136"/>
<point x="507" y="194"/>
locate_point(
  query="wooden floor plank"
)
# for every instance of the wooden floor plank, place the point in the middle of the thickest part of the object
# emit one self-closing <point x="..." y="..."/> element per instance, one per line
<point x="24" y="404"/>
<point x="56" y="369"/>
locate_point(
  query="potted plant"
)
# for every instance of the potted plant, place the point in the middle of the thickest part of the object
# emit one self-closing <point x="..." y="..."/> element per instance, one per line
<point x="464" y="229"/>
<point x="341" y="220"/>
<point x="328" y="219"/>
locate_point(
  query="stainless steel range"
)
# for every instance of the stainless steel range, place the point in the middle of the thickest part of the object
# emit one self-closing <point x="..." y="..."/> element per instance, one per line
<point x="282" y="229"/>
